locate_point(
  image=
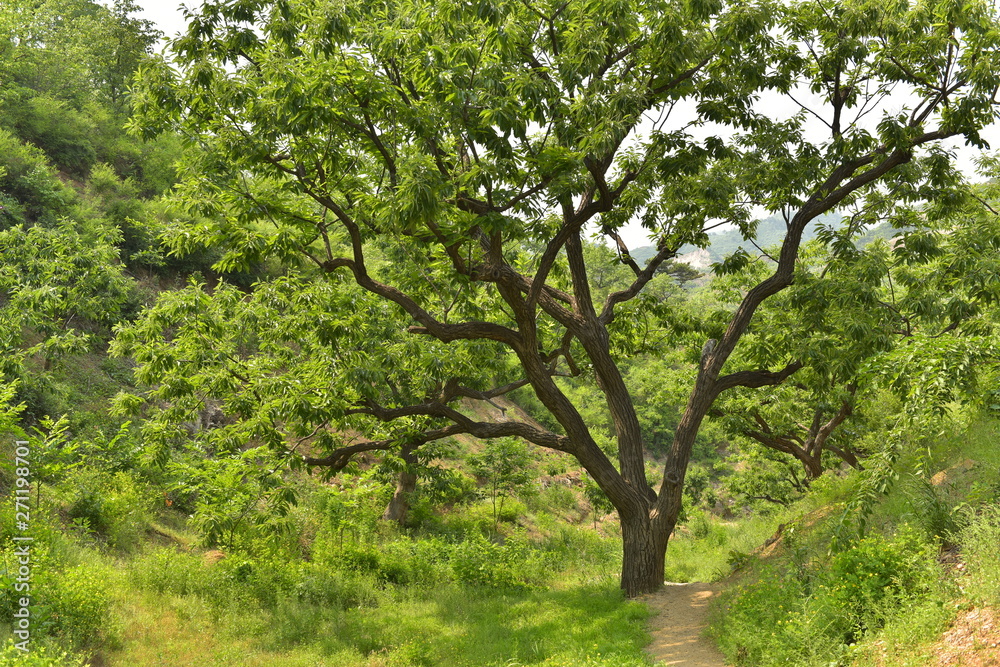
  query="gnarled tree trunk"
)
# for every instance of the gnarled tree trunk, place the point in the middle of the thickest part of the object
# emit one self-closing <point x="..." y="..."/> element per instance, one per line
<point x="644" y="547"/>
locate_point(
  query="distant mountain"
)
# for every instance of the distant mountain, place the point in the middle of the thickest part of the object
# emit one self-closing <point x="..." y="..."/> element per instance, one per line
<point x="770" y="232"/>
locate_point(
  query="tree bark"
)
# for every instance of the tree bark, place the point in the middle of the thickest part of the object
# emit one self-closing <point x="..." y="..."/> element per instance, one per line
<point x="644" y="548"/>
<point x="399" y="507"/>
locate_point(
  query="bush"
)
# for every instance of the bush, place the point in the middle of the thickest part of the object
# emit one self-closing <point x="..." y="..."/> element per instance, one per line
<point x="867" y="583"/>
<point x="27" y="178"/>
<point x="61" y="131"/>
<point x="779" y="618"/>
<point x="76" y="604"/>
<point x="113" y="507"/>
<point x="370" y="559"/>
<point x="511" y="565"/>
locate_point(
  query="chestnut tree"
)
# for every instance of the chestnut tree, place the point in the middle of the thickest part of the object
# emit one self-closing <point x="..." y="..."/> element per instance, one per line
<point x="438" y="165"/>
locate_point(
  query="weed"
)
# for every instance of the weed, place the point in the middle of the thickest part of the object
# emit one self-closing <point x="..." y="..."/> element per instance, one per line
<point x="979" y="540"/>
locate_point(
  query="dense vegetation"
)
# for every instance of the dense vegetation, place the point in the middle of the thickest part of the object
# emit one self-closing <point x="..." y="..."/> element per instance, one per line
<point x="290" y="405"/>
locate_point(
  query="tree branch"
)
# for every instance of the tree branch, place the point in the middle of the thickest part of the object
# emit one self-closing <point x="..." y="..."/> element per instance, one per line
<point x="754" y="379"/>
<point x="642" y="279"/>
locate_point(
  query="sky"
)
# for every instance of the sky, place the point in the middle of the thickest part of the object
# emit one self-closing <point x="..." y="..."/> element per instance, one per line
<point x="167" y="15"/>
<point x="169" y="18"/>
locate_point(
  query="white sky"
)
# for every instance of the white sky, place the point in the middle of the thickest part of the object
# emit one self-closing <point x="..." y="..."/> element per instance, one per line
<point x="168" y="16"/>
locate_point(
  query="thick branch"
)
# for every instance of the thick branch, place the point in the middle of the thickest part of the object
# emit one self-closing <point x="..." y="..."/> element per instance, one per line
<point x="339" y="458"/>
<point x="453" y="389"/>
<point x="578" y="274"/>
<point x="754" y="379"/>
<point x="435" y="408"/>
<point x="679" y="79"/>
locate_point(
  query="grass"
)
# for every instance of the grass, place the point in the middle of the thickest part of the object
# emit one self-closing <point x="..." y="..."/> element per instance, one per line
<point x="446" y="626"/>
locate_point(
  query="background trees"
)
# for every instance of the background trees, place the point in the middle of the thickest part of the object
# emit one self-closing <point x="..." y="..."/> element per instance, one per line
<point x="864" y="319"/>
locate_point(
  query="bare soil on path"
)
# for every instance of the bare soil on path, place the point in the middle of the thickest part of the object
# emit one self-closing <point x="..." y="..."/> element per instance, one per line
<point x="679" y="619"/>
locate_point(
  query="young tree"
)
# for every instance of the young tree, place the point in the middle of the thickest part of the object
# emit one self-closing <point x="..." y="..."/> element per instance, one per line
<point x="448" y="158"/>
<point x="504" y="464"/>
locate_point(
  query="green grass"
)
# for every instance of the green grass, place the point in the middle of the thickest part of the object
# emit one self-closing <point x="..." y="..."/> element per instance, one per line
<point x="450" y="625"/>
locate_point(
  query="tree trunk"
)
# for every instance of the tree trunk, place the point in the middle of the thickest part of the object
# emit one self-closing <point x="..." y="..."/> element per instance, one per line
<point x="399" y="506"/>
<point x="406" y="484"/>
<point x="813" y="464"/>
<point x="644" y="547"/>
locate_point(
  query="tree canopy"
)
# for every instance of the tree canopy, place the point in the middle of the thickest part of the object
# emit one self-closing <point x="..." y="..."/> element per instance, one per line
<point x="428" y="173"/>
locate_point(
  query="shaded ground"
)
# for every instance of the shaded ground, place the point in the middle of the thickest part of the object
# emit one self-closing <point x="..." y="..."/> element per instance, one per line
<point x="679" y="618"/>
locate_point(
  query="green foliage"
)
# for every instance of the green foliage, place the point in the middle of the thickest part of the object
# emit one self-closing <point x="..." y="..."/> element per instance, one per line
<point x="236" y="498"/>
<point x="59" y="283"/>
<point x="62" y="132"/>
<point x="76" y="605"/>
<point x="512" y="564"/>
<point x="811" y="618"/>
<point x="762" y="478"/>
<point x="505" y="467"/>
<point x="979" y="540"/>
<point x="39" y="656"/>
<point x="596" y="497"/>
<point x="430" y="168"/>
<point x="872" y="579"/>
<point x="113" y="507"/>
<point x="939" y="520"/>
<point x="29" y="186"/>
<point x="167" y="570"/>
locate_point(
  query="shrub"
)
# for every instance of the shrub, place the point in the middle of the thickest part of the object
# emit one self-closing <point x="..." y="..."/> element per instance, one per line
<point x="511" y="565"/>
<point x="38" y="656"/>
<point x="112" y="506"/>
<point x="61" y="131"/>
<point x="868" y="582"/>
<point x="370" y="559"/>
<point x="779" y="618"/>
<point x="933" y="513"/>
<point x="27" y="178"/>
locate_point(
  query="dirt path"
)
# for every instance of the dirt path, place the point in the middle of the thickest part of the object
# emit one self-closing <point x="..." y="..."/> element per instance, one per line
<point x="679" y="617"/>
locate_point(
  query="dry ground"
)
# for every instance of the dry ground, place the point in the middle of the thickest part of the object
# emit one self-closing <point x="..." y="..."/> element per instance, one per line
<point x="679" y="618"/>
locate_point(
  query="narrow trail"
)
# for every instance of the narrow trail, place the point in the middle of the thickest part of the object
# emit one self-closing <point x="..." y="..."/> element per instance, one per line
<point x="679" y="617"/>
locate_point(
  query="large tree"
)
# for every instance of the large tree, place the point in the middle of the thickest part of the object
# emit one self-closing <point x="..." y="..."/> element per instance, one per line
<point x="448" y="158"/>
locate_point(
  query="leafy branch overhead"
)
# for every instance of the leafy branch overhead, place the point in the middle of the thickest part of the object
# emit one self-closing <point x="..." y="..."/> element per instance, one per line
<point x="430" y="170"/>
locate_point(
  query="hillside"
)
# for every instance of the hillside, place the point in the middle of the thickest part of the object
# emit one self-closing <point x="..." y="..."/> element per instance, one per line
<point x="769" y="233"/>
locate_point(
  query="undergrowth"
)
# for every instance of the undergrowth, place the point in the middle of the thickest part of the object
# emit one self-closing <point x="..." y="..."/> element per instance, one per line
<point x="884" y="596"/>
